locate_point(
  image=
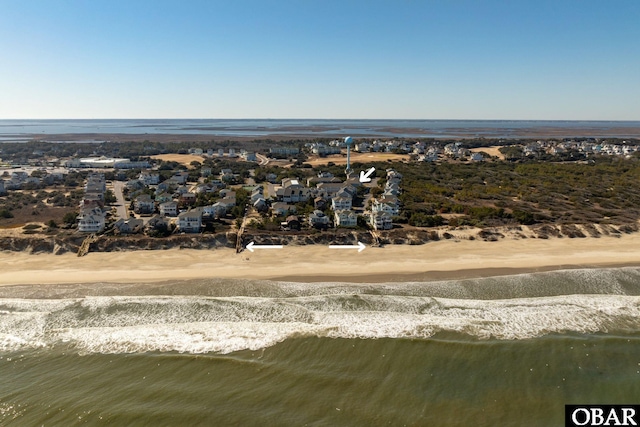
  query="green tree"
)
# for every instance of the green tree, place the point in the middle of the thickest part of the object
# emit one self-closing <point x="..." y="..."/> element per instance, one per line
<point x="70" y="218"/>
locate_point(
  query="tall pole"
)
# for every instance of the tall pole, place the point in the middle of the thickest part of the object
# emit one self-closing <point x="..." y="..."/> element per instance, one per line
<point x="348" y="140"/>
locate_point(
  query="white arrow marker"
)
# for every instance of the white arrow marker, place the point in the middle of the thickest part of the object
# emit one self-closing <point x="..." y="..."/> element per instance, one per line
<point x="364" y="176"/>
<point x="251" y="246"/>
<point x="360" y="246"/>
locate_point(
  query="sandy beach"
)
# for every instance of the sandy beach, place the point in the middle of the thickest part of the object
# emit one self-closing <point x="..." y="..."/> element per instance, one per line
<point x="433" y="261"/>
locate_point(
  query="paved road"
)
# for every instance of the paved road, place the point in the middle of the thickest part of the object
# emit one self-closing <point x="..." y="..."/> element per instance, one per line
<point x="262" y="160"/>
<point x="370" y="185"/>
<point x="121" y="206"/>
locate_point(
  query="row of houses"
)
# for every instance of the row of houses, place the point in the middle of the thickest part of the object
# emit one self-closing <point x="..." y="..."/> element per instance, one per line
<point x="231" y="153"/>
<point x="92" y="217"/>
<point x="385" y="207"/>
<point x="328" y="190"/>
<point x="21" y="179"/>
<point x="192" y="220"/>
<point x="590" y="147"/>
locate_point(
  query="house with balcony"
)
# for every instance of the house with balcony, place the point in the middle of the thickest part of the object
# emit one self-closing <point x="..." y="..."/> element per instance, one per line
<point x="341" y="203"/>
<point x="149" y="178"/>
<point x="381" y="221"/>
<point x="190" y="221"/>
<point x="345" y="218"/>
<point x="144" y="204"/>
<point x="169" y="208"/>
<point x="292" y="191"/>
<point x="217" y="210"/>
<point x="91" y="221"/>
<point x="318" y="219"/>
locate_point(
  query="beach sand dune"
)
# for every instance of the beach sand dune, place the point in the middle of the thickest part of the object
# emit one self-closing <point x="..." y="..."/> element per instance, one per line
<point x="433" y="261"/>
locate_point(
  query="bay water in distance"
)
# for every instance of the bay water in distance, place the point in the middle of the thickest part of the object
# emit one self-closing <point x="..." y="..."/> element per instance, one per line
<point x="24" y="130"/>
<point x="500" y="351"/>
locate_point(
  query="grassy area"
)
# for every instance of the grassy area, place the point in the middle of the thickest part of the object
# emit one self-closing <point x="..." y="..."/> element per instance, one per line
<point x="501" y="193"/>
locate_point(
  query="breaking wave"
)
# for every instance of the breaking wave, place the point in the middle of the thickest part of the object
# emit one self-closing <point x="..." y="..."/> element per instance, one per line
<point x="202" y="324"/>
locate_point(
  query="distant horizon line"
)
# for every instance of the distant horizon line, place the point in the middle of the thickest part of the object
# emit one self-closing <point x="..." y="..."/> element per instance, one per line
<point x="325" y="119"/>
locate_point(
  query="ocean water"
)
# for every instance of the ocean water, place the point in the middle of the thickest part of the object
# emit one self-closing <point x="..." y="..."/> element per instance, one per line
<point x="501" y="351"/>
<point x="16" y="130"/>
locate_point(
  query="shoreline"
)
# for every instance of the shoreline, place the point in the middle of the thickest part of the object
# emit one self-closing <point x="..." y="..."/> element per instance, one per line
<point x="437" y="260"/>
<point x="310" y="134"/>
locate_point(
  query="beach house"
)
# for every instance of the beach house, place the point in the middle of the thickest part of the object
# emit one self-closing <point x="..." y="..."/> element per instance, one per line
<point x="149" y="178"/>
<point x="341" y="203"/>
<point x="91" y="221"/>
<point x="281" y="208"/>
<point x="381" y="221"/>
<point x="318" y="219"/>
<point x="169" y="208"/>
<point x="345" y="218"/>
<point x="143" y="204"/>
<point x="128" y="226"/>
<point x="292" y="191"/>
<point x="190" y="221"/>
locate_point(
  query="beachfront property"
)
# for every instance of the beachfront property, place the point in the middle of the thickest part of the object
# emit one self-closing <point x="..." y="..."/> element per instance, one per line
<point x="128" y="226"/>
<point x="293" y="222"/>
<point x="318" y="219"/>
<point x="190" y="221"/>
<point x="381" y="221"/>
<point x="91" y="221"/>
<point x="345" y="218"/>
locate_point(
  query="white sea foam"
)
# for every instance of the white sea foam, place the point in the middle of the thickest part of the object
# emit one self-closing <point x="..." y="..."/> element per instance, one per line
<point x="208" y="324"/>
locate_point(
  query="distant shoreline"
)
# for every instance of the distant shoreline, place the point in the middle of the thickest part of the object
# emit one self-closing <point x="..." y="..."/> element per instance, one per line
<point x="171" y="130"/>
<point x="302" y="134"/>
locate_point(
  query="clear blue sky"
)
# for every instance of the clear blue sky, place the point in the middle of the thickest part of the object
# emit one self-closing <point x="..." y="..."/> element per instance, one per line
<point x="401" y="59"/>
